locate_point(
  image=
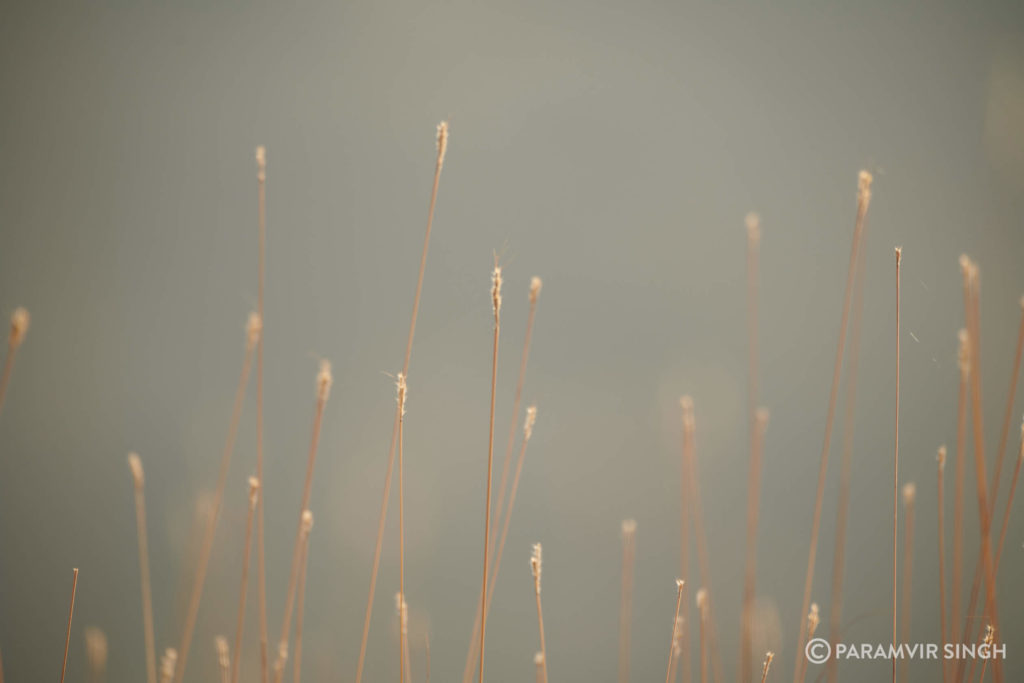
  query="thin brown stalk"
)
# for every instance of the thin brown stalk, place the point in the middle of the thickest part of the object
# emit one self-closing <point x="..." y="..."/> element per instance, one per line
<point x="753" y="244"/>
<point x="677" y="651"/>
<point x="987" y="640"/>
<point x="19" y="328"/>
<point x="943" y="630"/>
<point x="675" y="626"/>
<point x="139" y="482"/>
<point x="67" y="636"/>
<point x="253" y="334"/>
<point x="908" y="572"/>
<point x="535" y="567"/>
<point x="538" y="662"/>
<point x="702" y="611"/>
<point x="863" y="201"/>
<point x="703" y="560"/>
<point x="767" y="665"/>
<point x="307" y="527"/>
<point x="535" y="287"/>
<point x="442" y="146"/>
<point x="531" y="417"/>
<point x="401" y="526"/>
<point x="496" y="307"/>
<point x="323" y="392"/>
<point x="261" y="570"/>
<point x="896" y="464"/>
<point x="964" y="363"/>
<point x="626" y="597"/>
<point x="220" y="644"/>
<point x="1009" y="501"/>
<point x="684" y="546"/>
<point x="403" y="623"/>
<point x="254" y="494"/>
<point x="750" y="574"/>
<point x="846" y="463"/>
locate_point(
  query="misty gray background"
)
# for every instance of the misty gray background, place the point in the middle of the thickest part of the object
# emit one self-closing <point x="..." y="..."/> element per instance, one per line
<point x="611" y="148"/>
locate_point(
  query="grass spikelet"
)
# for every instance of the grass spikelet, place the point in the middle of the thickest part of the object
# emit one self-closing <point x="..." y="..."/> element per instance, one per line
<point x="767" y="665"/>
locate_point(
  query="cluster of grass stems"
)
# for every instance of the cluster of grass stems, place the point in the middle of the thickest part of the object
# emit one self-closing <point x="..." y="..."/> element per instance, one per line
<point x="174" y="661"/>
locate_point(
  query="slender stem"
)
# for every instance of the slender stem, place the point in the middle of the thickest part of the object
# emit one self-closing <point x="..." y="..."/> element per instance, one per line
<point x="214" y="513"/>
<point x="675" y="625"/>
<point x="67" y="636"/>
<point x="767" y="665"/>
<point x="496" y="306"/>
<point x="535" y="286"/>
<point x="943" y="629"/>
<point x="540" y="616"/>
<point x="626" y="597"/>
<point x="846" y="463"/>
<point x="746" y="647"/>
<point x="958" y="495"/>
<point x="896" y="465"/>
<point x="301" y="606"/>
<point x="401" y="529"/>
<point x="261" y="570"/>
<point x="324" y="380"/>
<point x="1009" y="503"/>
<point x="146" y="586"/>
<point x="908" y="574"/>
<point x="684" y="545"/>
<point x="442" y="145"/>
<point x="863" y="201"/>
<point x="254" y="493"/>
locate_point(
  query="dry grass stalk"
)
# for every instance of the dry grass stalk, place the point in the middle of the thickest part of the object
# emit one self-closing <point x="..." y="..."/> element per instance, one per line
<point x="67" y="636"/>
<point x="496" y="308"/>
<point x="702" y="613"/>
<point x="943" y="629"/>
<point x="261" y="570"/>
<point x="253" y="335"/>
<point x="626" y="597"/>
<point x="964" y="363"/>
<point x="863" y="201"/>
<point x="307" y="527"/>
<point x="324" y="380"/>
<point x="672" y="644"/>
<point x="401" y="526"/>
<point x="703" y="560"/>
<point x="971" y="300"/>
<point x="535" y="568"/>
<point x="220" y="643"/>
<point x="677" y="650"/>
<point x="813" y="620"/>
<point x="96" y="651"/>
<point x="254" y="494"/>
<point x="987" y="640"/>
<point x="909" y="493"/>
<point x="684" y="543"/>
<point x="1009" y="501"/>
<point x="535" y="287"/>
<point x="531" y="418"/>
<point x="20" y="320"/>
<point x="168" y="663"/>
<point x="402" y="611"/>
<point x="846" y="461"/>
<point x="442" y="147"/>
<point x="750" y="573"/>
<point x="753" y="223"/>
<point x="767" y="665"/>
<point x="139" y="482"/>
<point x="538" y="662"/>
<point x="896" y="464"/>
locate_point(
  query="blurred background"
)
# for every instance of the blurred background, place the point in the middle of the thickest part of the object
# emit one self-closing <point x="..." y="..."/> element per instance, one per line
<point x="612" y="149"/>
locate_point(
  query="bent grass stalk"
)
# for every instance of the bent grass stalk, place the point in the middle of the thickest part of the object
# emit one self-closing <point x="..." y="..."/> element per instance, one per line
<point x="254" y="494"/>
<point x="496" y="307"/>
<point x="20" y="320"/>
<point x="139" y="483"/>
<point x="442" y="147"/>
<point x="253" y="334"/>
<point x="863" y="201"/>
<point x="675" y="628"/>
<point x="67" y="636"/>
<point x="535" y="287"/>
<point x="323" y="392"/>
